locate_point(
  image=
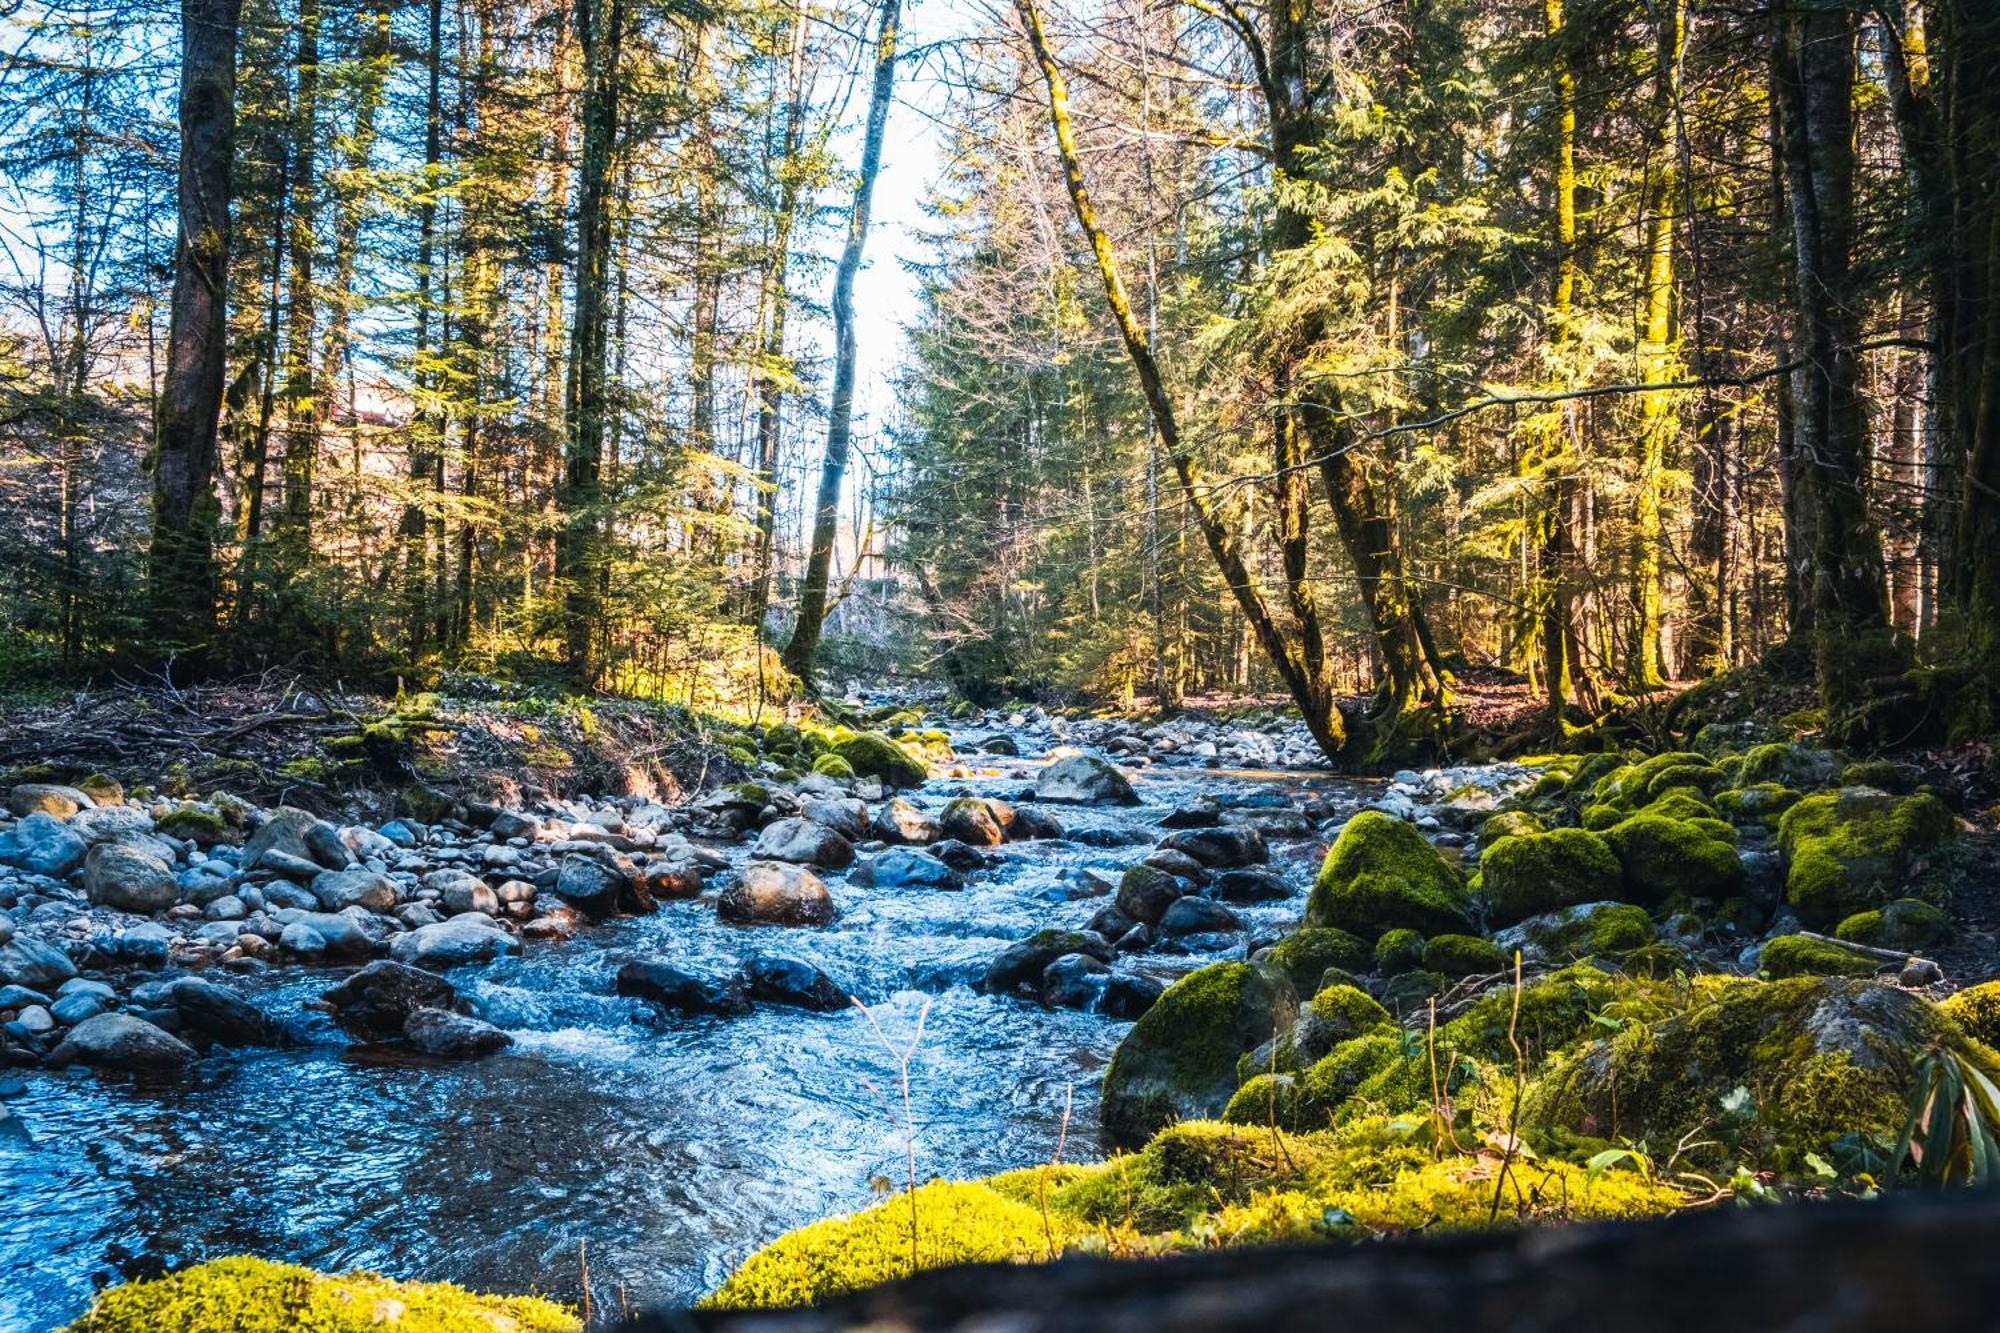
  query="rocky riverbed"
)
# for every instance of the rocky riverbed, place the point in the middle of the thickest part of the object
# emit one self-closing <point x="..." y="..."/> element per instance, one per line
<point x="498" y="1045"/>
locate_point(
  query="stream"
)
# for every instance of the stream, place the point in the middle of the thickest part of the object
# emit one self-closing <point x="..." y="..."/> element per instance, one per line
<point x="657" y="1151"/>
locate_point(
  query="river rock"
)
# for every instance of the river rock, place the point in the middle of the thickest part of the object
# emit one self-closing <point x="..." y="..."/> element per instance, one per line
<point x="41" y="845"/>
<point x="961" y="857"/>
<point x="1178" y="863"/>
<point x="122" y="1043"/>
<point x="1250" y="886"/>
<point x="1075" y="981"/>
<point x="301" y="834"/>
<point x="36" y="1021"/>
<point x="1198" y="916"/>
<point x="790" y="981"/>
<point x="1085" y="779"/>
<point x="683" y="992"/>
<point x="508" y="824"/>
<point x="674" y="879"/>
<point x="590" y="886"/>
<point x="901" y="821"/>
<point x="776" y="893"/>
<point x="376" y="1002"/>
<point x="973" y="821"/>
<point x="470" y="894"/>
<point x="48" y="798"/>
<point x="1001" y="744"/>
<point x="1145" y="892"/>
<point x="907" y="868"/>
<point x="132" y="880"/>
<point x="1179" y="1061"/>
<point x="453" y="943"/>
<point x="1223" y="848"/>
<point x="454" y="1036"/>
<point x="1019" y="967"/>
<point x="223" y="1016"/>
<point x="843" y="814"/>
<point x="34" y="964"/>
<point x="1032" y="823"/>
<point x="337" y="890"/>
<point x="1201" y="812"/>
<point x="73" y="1009"/>
<point x="339" y="935"/>
<point x="803" y="842"/>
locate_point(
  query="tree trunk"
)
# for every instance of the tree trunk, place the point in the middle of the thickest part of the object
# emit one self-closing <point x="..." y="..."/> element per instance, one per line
<point x="293" y="529"/>
<point x="180" y="564"/>
<point x="1813" y="87"/>
<point x="1313" y="693"/>
<point x="798" y="656"/>
<point x="426" y="430"/>
<point x="580" y="539"/>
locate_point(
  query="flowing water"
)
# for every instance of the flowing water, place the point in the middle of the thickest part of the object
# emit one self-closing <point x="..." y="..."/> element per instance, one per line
<point x="660" y="1150"/>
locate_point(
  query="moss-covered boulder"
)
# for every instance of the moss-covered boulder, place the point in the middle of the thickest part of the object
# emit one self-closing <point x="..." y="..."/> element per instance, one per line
<point x="1381" y="873"/>
<point x="1849" y="850"/>
<point x="1522" y="876"/>
<point x="1508" y="824"/>
<point x="957" y="1222"/>
<point x="1179" y="1060"/>
<point x="1755" y="1071"/>
<point x="1662" y="858"/>
<point x="1399" y="951"/>
<point x="1763" y="803"/>
<point x="1587" y="930"/>
<point x="872" y="755"/>
<point x="1306" y="954"/>
<point x="1555" y="1011"/>
<point x="1789" y="764"/>
<point x="245" y="1295"/>
<point x="1907" y="923"/>
<point x="833" y="766"/>
<point x="1812" y="956"/>
<point x="1463" y="956"/>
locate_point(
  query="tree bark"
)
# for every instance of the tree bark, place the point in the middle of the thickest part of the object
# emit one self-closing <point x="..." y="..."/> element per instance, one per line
<point x="798" y="655"/>
<point x="181" y="563"/>
<point x="292" y="535"/>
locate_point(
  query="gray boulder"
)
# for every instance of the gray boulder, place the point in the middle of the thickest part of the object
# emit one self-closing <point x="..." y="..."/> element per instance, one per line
<point x="1084" y="779"/>
<point x="589" y="885"/>
<point x="375" y="1003"/>
<point x="907" y="868"/>
<point x="122" y="1043"/>
<point x="453" y="1036"/>
<point x="337" y="890"/>
<point x="41" y="845"/>
<point x="222" y="1016"/>
<point x="803" y="842"/>
<point x="123" y="876"/>
<point x="49" y="798"/>
<point x="776" y="893"/>
<point x="453" y="943"/>
<point x="901" y="821"/>
<point x="34" y="964"/>
<point x="844" y="815"/>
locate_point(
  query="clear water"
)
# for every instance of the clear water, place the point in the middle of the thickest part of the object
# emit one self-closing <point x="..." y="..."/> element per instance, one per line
<point x="662" y="1150"/>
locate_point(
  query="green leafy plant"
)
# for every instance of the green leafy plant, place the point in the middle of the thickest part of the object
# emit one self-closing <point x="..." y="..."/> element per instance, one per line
<point x="1953" y="1134"/>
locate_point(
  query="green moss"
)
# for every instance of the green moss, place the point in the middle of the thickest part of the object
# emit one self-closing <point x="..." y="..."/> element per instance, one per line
<point x="1907" y="923"/>
<point x="1976" y="1009"/>
<point x="1381" y="873"/>
<point x="1265" y="1099"/>
<point x="1594" y="769"/>
<point x="1347" y="1012"/>
<point x="1763" y="1072"/>
<point x="833" y="766"/>
<point x="307" y="768"/>
<point x="873" y="755"/>
<point x="1539" y="872"/>
<point x="1463" y="956"/>
<point x="1806" y="956"/>
<point x="954" y="1222"/>
<point x="1383" y="1062"/>
<point x="1306" y="954"/>
<point x="1663" y="857"/>
<point x="1881" y="774"/>
<point x="1853" y="849"/>
<point x="1556" y="1011"/>
<point x="1398" y="951"/>
<point x="1763" y="803"/>
<point x="1788" y="764"/>
<point x="1588" y="930"/>
<point x="1507" y="824"/>
<point x="245" y="1295"/>
<point x="1179" y="1060"/>
<point x="204" y="827"/>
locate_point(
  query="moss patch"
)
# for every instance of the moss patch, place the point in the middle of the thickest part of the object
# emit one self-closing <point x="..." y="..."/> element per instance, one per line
<point x="1663" y="857"/>
<point x="1522" y="876"/>
<point x="1853" y="849"/>
<point x="873" y="755"/>
<point x="1807" y="956"/>
<point x="1306" y="954"/>
<point x="1179" y="1060"/>
<point x="1381" y="873"/>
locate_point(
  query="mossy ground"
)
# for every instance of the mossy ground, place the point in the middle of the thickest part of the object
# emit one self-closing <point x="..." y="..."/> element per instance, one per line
<point x="246" y="1295"/>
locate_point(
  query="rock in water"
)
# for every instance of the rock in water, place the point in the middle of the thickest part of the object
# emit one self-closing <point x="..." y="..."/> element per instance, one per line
<point x="972" y="821"/>
<point x="776" y="893"/>
<point x="682" y="992"/>
<point x="1084" y="779"/>
<point x="805" y="843"/>
<point x="443" y="1033"/>
<point x="357" y="887"/>
<point x="453" y="943"/>
<point x="904" y="867"/>
<point x="128" y="878"/>
<point x="590" y="886"/>
<point x="1179" y="1060"/>
<point x="377" y="1001"/>
<point x="122" y="1043"/>
<point x="1222" y="848"/>
<point x="900" y="821"/>
<point x="789" y="981"/>
<point x="222" y="1015"/>
<point x="41" y="845"/>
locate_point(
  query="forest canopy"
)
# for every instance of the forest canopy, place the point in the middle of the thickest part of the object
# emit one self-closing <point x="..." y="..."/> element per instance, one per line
<point x="1333" y="348"/>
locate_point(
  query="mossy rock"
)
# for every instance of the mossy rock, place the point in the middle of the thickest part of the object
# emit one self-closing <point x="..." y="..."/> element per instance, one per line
<point x="1400" y="950"/>
<point x="1384" y="1071"/>
<point x="955" y="1221"/>
<point x="1881" y="774"/>
<point x="1463" y="956"/>
<point x="1265" y="1099"/>
<point x="1663" y="858"/>
<point x="1976" y="1009"/>
<point x="1789" y="764"/>
<point x="1342" y="1013"/>
<point x="1179" y="1060"/>
<point x="203" y="826"/>
<point x="1679" y="803"/>
<point x="1756" y="1071"/>
<point x="1508" y="824"/>
<point x="1524" y="876"/>
<point x="1587" y="930"/>
<point x="1810" y="956"/>
<point x="1381" y="873"/>
<point x="1849" y="850"/>
<point x="1306" y="954"/>
<point x="1907" y="923"/>
<point x="246" y="1295"/>
<point x="102" y="788"/>
<point x="833" y="766"/>
<point x="1555" y="1012"/>
<point x="873" y="755"/>
<point x="1594" y="769"/>
<point x="1763" y="803"/>
<point x="1633" y="785"/>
